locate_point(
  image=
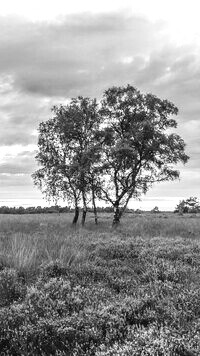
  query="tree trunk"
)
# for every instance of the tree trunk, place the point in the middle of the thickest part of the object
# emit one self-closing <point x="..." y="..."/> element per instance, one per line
<point x="119" y="212"/>
<point x="84" y="210"/>
<point x="117" y="215"/>
<point x="94" y="208"/>
<point x="76" y="215"/>
<point x="83" y="216"/>
<point x="95" y="215"/>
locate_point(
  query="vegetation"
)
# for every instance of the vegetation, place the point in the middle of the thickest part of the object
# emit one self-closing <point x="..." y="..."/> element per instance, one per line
<point x="49" y="209"/>
<point x="33" y="210"/>
<point x="190" y="205"/>
<point x="155" y="210"/>
<point x="95" y="291"/>
<point x="112" y="151"/>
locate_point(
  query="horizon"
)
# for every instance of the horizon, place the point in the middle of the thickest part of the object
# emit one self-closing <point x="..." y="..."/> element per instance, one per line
<point x="145" y="205"/>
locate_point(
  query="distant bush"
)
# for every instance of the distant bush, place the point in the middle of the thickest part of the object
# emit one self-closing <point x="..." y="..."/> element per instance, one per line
<point x="138" y="211"/>
<point x="155" y="210"/>
<point x="190" y="205"/>
<point x="33" y="210"/>
<point x="48" y="210"/>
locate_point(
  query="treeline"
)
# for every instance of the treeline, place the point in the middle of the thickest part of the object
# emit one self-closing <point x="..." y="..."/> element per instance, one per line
<point x="49" y="210"/>
<point x="33" y="210"/>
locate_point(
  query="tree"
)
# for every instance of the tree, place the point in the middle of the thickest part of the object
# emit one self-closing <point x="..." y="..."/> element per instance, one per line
<point x="138" y="149"/>
<point x="69" y="154"/>
<point x="113" y="153"/>
<point x="190" y="205"/>
<point x="155" y="210"/>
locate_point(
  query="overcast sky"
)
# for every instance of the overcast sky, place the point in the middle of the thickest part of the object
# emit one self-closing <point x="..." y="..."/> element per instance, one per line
<point x="53" y="50"/>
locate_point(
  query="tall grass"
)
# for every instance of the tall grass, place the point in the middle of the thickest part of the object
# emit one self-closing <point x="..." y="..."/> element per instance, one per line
<point x="98" y="291"/>
<point x="27" y="241"/>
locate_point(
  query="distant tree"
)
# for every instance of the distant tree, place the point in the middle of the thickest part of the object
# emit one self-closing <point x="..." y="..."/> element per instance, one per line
<point x="4" y="210"/>
<point x="138" y="211"/>
<point x="69" y="154"/>
<point x="190" y="205"/>
<point x="155" y="210"/>
<point x="138" y="149"/>
<point x="21" y="210"/>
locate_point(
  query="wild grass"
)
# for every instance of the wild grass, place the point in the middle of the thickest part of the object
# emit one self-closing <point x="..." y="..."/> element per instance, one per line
<point x="133" y="290"/>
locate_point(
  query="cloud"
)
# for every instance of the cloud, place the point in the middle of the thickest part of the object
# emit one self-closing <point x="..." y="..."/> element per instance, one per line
<point x="20" y="114"/>
<point x="42" y="64"/>
<point x="45" y="63"/>
<point x="15" y="173"/>
<point x="68" y="57"/>
<point x="20" y="164"/>
<point x="86" y="53"/>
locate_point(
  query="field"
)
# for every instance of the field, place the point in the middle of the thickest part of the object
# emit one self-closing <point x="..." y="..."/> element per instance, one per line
<point x="133" y="290"/>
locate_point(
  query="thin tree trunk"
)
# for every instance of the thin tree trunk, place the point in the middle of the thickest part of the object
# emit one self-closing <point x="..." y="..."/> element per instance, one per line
<point x="95" y="215"/>
<point x="119" y="212"/>
<point x="84" y="210"/>
<point x="94" y="207"/>
<point x="76" y="215"/>
<point x="83" y="216"/>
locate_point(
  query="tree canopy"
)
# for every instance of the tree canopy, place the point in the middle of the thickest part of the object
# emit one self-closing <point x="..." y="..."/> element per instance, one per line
<point x="113" y="150"/>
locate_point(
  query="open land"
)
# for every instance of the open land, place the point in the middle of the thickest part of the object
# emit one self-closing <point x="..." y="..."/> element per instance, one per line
<point x="132" y="290"/>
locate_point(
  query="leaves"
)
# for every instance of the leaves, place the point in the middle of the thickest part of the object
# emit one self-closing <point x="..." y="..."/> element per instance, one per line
<point x="114" y="150"/>
<point x="139" y="151"/>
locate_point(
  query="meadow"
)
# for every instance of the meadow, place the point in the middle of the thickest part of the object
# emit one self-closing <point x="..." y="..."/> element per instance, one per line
<point x="132" y="290"/>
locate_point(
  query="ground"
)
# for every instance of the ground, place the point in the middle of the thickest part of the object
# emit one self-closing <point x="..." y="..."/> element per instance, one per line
<point x="132" y="290"/>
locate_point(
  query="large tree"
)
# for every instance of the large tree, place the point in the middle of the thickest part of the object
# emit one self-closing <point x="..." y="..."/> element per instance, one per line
<point x="114" y="151"/>
<point x="69" y="154"/>
<point x="139" y="148"/>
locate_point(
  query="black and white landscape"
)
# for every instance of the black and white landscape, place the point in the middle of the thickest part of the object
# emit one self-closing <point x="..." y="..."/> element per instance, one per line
<point x="99" y="178"/>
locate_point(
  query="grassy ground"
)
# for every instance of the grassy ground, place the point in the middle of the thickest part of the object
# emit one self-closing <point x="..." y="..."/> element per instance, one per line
<point x="134" y="290"/>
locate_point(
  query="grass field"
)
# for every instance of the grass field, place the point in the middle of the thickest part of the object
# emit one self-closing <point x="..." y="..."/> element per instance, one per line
<point x="133" y="290"/>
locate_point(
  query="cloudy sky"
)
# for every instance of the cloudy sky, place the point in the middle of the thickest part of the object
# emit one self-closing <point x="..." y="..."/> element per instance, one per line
<point x="53" y="50"/>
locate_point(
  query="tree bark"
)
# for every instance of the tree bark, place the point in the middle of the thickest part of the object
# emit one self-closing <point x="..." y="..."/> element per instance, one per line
<point x="119" y="212"/>
<point x="117" y="215"/>
<point x="94" y="208"/>
<point x="95" y="215"/>
<point x="84" y="210"/>
<point x="83" y="216"/>
<point x="76" y="215"/>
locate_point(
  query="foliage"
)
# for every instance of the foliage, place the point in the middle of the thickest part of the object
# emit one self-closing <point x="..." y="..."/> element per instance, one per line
<point x="114" y="151"/>
<point x="33" y="210"/>
<point x="190" y="205"/>
<point x="139" y="150"/>
<point x="155" y="210"/>
<point x="68" y="153"/>
<point x="50" y="209"/>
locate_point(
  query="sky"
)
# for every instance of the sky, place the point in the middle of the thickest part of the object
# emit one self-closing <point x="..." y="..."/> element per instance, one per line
<point x="51" y="51"/>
